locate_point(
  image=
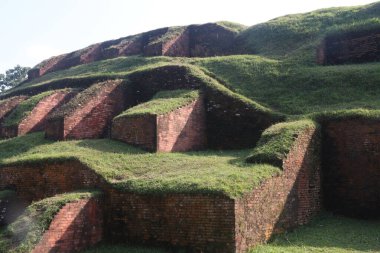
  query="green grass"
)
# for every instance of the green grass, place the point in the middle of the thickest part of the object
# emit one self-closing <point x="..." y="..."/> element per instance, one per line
<point x="295" y="37"/>
<point x="276" y="142"/>
<point x="327" y="234"/>
<point x="24" y="234"/>
<point x="24" y="109"/>
<point x="131" y="169"/>
<point x="163" y="102"/>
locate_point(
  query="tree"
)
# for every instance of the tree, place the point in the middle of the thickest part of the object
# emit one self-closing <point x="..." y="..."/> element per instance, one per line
<point x="13" y="77"/>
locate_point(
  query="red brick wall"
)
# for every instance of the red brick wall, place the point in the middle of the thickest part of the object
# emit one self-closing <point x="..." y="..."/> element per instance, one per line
<point x="38" y="181"/>
<point x="282" y="202"/>
<point x="76" y="226"/>
<point x="198" y="222"/>
<point x="137" y="130"/>
<point x="193" y="221"/>
<point x="351" y="160"/>
<point x="355" y="47"/>
<point x="93" y="119"/>
<point x="36" y="120"/>
<point x="183" y="129"/>
<point x="8" y="105"/>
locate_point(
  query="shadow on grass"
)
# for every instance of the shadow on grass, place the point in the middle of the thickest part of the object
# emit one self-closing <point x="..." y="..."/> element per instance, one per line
<point x="120" y="248"/>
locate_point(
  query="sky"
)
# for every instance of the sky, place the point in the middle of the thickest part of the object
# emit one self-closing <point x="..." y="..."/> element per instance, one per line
<point x="32" y="31"/>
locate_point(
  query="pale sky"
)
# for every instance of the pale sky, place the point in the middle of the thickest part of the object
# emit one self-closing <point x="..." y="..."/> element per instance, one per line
<point x="33" y="30"/>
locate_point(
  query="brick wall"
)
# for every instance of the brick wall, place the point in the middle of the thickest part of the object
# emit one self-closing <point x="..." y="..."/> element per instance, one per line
<point x="34" y="182"/>
<point x="285" y="201"/>
<point x="197" y="222"/>
<point x="37" y="118"/>
<point x="351" y="158"/>
<point x="231" y="123"/>
<point x="139" y="130"/>
<point x="76" y="226"/>
<point x="92" y="119"/>
<point x="183" y="129"/>
<point x="8" y="105"/>
<point x="354" y="47"/>
<point x="196" y="41"/>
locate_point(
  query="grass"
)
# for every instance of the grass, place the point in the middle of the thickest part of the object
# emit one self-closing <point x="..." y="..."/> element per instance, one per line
<point x="24" y="109"/>
<point x="24" y="234"/>
<point x="131" y="169"/>
<point x="163" y="102"/>
<point x="276" y="142"/>
<point x="327" y="234"/>
<point x="295" y="37"/>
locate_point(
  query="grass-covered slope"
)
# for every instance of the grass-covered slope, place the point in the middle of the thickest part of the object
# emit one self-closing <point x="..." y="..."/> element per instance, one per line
<point x="23" y="235"/>
<point x="131" y="169"/>
<point x="163" y="102"/>
<point x="296" y="36"/>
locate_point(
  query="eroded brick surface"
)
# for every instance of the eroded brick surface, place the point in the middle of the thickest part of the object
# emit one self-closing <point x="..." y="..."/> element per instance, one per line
<point x="351" y="160"/>
<point x="76" y="226"/>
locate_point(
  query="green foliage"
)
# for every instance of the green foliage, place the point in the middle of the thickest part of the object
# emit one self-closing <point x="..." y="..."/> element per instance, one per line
<point x="276" y="142"/>
<point x="13" y="77"/>
<point x="24" y="109"/>
<point x="163" y="102"/>
<point x="131" y="169"/>
<point x="327" y="234"/>
<point x="24" y="234"/>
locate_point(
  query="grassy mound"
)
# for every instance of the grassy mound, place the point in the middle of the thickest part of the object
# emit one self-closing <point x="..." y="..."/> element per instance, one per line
<point x="163" y="102"/>
<point x="328" y="234"/>
<point x="24" y="233"/>
<point x="276" y="142"/>
<point x="295" y="37"/>
<point x="24" y="109"/>
<point x="131" y="169"/>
